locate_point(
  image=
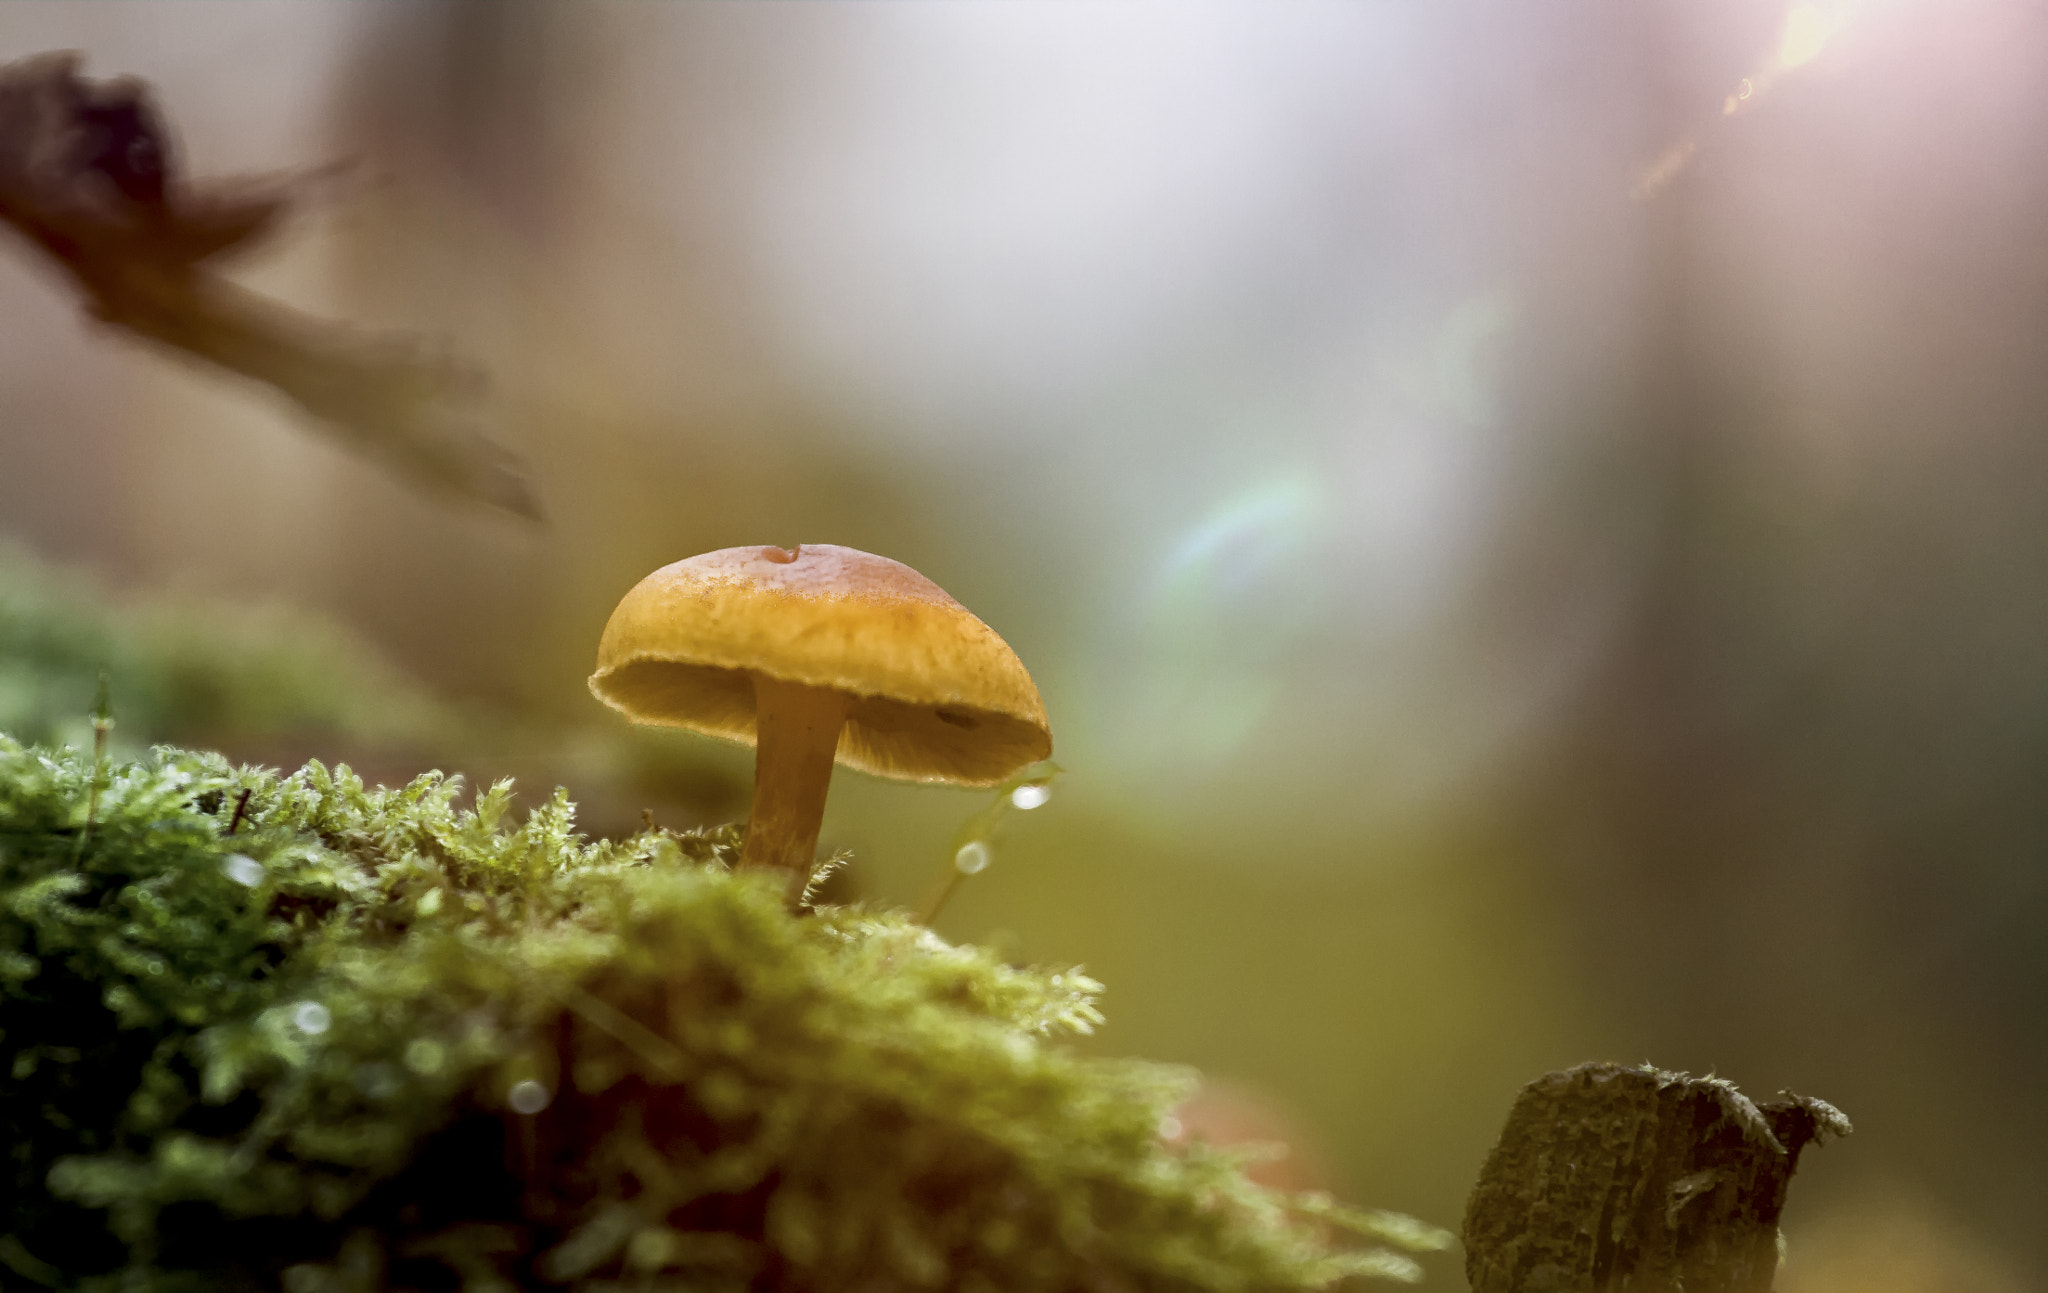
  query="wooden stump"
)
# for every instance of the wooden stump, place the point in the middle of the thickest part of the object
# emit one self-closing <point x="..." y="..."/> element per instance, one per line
<point x="1632" y="1180"/>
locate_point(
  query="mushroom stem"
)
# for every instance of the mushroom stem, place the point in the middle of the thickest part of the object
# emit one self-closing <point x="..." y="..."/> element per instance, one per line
<point x="796" y="733"/>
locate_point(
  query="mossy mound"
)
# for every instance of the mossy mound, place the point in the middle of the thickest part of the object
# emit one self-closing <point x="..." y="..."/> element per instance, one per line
<point x="290" y="1030"/>
<point x="275" y="684"/>
<point x="192" y="669"/>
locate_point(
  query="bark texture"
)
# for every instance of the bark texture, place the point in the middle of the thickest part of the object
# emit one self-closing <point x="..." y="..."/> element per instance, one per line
<point x="1610" y="1179"/>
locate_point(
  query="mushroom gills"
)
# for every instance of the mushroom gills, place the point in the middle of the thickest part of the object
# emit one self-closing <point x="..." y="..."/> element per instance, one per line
<point x="949" y="743"/>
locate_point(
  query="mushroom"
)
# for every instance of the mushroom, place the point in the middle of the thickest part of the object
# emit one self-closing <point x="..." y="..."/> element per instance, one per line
<point x="815" y="655"/>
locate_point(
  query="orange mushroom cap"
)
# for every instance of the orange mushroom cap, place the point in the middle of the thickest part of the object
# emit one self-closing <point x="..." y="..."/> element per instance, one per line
<point x="933" y="693"/>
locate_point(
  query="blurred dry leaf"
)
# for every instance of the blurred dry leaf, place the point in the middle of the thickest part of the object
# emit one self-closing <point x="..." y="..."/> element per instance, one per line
<point x="86" y="174"/>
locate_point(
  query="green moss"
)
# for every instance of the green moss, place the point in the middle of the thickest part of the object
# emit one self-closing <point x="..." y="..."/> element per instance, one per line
<point x="372" y="1039"/>
<point x="191" y="669"/>
<point x="275" y="684"/>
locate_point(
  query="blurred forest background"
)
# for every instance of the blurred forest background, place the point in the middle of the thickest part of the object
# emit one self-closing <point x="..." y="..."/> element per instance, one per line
<point x="1531" y="521"/>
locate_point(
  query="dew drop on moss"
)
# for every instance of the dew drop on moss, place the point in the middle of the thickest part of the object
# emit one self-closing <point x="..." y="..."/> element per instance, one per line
<point x="972" y="859"/>
<point x="528" y="1096"/>
<point x="424" y="1055"/>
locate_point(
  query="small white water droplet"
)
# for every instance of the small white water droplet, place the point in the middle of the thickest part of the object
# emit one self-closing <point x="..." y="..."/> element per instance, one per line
<point x="1030" y="796"/>
<point x="972" y="859"/>
<point x="528" y="1096"/>
<point x="242" y="869"/>
<point x="311" y="1017"/>
<point x="423" y="1056"/>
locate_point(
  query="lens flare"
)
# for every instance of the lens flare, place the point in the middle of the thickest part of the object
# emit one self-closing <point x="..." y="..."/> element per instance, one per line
<point x="1807" y="28"/>
<point x="1233" y="594"/>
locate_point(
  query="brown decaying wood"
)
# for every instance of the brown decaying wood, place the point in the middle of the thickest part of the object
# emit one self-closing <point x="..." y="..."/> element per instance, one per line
<point x="1610" y="1179"/>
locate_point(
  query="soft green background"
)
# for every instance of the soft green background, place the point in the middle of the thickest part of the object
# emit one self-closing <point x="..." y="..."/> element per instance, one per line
<point x="1526" y="564"/>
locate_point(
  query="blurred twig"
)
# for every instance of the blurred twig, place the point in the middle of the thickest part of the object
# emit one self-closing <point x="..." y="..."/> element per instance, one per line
<point x="86" y="175"/>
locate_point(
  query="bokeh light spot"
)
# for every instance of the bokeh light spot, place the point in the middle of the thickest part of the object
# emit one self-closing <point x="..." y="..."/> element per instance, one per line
<point x="1807" y="28"/>
<point x="1030" y="796"/>
<point x="528" y="1097"/>
<point x="973" y="858"/>
<point x="424" y="1056"/>
<point x="1240" y="586"/>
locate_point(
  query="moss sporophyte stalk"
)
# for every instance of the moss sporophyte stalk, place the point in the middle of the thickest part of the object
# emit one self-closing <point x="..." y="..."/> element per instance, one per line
<point x="372" y="1039"/>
